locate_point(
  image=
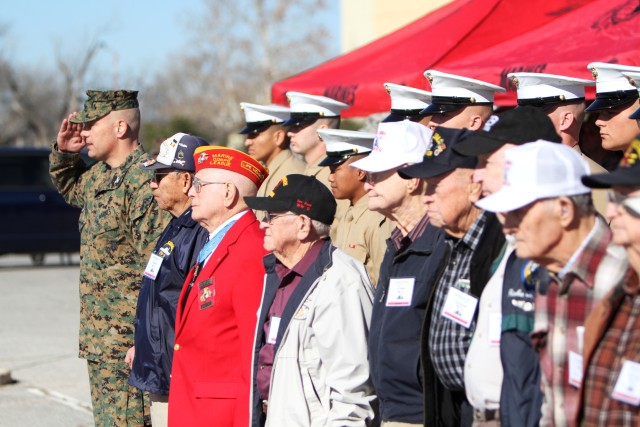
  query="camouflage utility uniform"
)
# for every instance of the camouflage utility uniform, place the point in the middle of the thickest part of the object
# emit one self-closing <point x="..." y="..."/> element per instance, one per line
<point x="119" y="225"/>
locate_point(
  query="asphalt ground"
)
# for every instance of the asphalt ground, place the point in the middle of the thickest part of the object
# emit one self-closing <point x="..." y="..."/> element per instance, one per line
<point x="39" y="317"/>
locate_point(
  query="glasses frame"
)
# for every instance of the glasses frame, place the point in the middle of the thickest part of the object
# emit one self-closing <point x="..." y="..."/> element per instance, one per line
<point x="269" y="216"/>
<point x="157" y="174"/>
<point x="198" y="183"/>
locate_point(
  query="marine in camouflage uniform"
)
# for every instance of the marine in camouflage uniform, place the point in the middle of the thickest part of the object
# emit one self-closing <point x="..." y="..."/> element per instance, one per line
<point x="119" y="225"/>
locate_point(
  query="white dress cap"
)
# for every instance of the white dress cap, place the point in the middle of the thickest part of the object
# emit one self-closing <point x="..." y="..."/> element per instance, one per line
<point x="406" y="102"/>
<point x="613" y="89"/>
<point x="452" y="89"/>
<point x="537" y="170"/>
<point x="321" y="105"/>
<point x="633" y="77"/>
<point x="396" y="144"/>
<point x="260" y="117"/>
<point x="541" y="90"/>
<point x="342" y="144"/>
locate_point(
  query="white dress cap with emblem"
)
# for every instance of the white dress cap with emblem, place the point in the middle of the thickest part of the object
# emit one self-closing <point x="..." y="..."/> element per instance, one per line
<point x="406" y="102"/>
<point x="342" y="144"/>
<point x="613" y="88"/>
<point x="260" y="117"/>
<point x="634" y="79"/>
<point x="546" y="90"/>
<point x="306" y="109"/>
<point x="451" y="92"/>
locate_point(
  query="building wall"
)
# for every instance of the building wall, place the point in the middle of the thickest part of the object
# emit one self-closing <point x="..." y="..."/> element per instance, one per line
<point x="366" y="20"/>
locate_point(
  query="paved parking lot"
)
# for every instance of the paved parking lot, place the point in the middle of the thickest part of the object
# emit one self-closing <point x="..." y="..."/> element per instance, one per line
<point x="39" y="344"/>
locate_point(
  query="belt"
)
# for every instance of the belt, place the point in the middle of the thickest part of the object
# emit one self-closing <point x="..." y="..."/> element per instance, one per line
<point x="483" y="415"/>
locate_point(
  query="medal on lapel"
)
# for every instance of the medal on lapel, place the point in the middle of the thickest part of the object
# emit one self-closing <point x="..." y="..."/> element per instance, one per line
<point x="206" y="293"/>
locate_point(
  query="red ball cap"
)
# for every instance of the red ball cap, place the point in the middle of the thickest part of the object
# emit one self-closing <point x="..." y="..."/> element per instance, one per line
<point x="232" y="160"/>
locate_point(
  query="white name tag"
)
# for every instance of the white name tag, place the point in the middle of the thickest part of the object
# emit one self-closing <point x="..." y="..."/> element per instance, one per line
<point x="400" y="292"/>
<point x="153" y="266"/>
<point x="575" y="369"/>
<point x="495" y="329"/>
<point x="459" y="307"/>
<point x="627" y="387"/>
<point x="274" y="325"/>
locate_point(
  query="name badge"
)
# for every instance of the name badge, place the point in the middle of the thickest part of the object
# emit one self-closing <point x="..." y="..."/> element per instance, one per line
<point x="627" y="387"/>
<point x="400" y="292"/>
<point x="459" y="307"/>
<point x="274" y="325"/>
<point x="575" y="369"/>
<point x="495" y="329"/>
<point x="153" y="266"/>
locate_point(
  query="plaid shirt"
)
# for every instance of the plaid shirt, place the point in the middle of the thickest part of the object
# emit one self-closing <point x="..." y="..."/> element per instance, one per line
<point x="619" y="342"/>
<point x="565" y="306"/>
<point x="449" y="341"/>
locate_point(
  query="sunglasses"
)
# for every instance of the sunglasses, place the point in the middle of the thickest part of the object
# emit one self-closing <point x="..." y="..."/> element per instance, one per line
<point x="158" y="176"/>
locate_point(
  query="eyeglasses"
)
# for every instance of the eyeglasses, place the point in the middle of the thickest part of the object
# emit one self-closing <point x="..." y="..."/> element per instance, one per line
<point x="375" y="177"/>
<point x="198" y="183"/>
<point x="157" y="176"/>
<point x="269" y="217"/>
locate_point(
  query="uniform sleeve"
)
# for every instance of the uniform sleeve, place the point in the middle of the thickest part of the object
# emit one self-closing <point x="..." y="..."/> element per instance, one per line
<point x="146" y="220"/>
<point x="341" y="330"/>
<point x="67" y="171"/>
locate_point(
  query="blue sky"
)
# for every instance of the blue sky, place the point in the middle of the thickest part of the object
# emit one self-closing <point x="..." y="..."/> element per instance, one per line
<point x="138" y="35"/>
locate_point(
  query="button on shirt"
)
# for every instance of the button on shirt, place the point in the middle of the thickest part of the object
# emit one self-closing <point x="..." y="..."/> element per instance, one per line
<point x="289" y="280"/>
<point x="449" y="341"/>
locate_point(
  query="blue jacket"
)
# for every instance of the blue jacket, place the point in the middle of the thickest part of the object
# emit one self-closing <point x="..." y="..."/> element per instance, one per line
<point x="394" y="339"/>
<point x="155" y="320"/>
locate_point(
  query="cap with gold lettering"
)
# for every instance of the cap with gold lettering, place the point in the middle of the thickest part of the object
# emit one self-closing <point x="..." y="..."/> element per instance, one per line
<point x="218" y="157"/>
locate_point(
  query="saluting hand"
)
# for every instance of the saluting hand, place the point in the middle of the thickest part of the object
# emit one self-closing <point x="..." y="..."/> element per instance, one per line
<point x="69" y="139"/>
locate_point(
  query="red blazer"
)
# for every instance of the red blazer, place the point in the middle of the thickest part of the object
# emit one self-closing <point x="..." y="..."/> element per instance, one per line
<point x="210" y="377"/>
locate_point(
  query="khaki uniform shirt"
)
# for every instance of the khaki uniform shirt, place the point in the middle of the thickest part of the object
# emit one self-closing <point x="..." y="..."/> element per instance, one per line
<point x="283" y="164"/>
<point x="599" y="196"/>
<point x="322" y="174"/>
<point x="362" y="234"/>
<point x="119" y="225"/>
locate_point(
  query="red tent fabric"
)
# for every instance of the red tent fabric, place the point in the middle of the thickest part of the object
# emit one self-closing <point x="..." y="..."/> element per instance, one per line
<point x="483" y="39"/>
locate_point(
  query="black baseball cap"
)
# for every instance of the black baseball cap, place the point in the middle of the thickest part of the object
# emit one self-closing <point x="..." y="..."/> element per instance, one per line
<point x="627" y="172"/>
<point x="440" y="158"/>
<point x="516" y="126"/>
<point x="299" y="194"/>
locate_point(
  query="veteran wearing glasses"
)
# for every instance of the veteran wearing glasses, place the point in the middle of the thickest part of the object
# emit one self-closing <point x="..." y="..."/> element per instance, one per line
<point x="310" y="357"/>
<point x="216" y="313"/>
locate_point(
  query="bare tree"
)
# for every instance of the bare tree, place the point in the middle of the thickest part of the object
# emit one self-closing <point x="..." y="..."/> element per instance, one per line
<point x="237" y="50"/>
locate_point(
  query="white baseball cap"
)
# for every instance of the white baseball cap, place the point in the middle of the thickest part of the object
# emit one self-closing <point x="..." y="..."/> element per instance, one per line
<point x="450" y="92"/>
<point x="546" y="90"/>
<point x="396" y="144"/>
<point x="537" y="170"/>
<point x="406" y="102"/>
<point x="613" y="89"/>
<point x="260" y="117"/>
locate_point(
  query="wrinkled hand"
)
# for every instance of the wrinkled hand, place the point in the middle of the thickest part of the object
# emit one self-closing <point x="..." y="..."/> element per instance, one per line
<point x="131" y="354"/>
<point x="69" y="139"/>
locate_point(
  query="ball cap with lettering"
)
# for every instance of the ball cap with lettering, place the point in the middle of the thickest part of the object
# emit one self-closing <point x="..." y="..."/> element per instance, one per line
<point x="516" y="126"/>
<point x="218" y="157"/>
<point x="441" y="157"/>
<point x="176" y="152"/>
<point x="613" y="89"/>
<point x="546" y="90"/>
<point x="406" y="102"/>
<point x="450" y="92"/>
<point x="306" y="109"/>
<point x="99" y="103"/>
<point x="627" y="173"/>
<point x="396" y="144"/>
<point x="537" y="170"/>
<point x="300" y="194"/>
<point x="343" y="144"/>
<point x="260" y="117"/>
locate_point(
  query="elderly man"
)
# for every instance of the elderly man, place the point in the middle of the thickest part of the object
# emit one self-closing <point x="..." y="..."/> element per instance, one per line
<point x="310" y="357"/>
<point x="473" y="240"/>
<point x="210" y="377"/>
<point x="360" y="232"/>
<point x="459" y="102"/>
<point x="267" y="142"/>
<point x="174" y="254"/>
<point x="119" y="224"/>
<point x="407" y="272"/>
<point x="549" y="213"/>
<point x="610" y="393"/>
<point x="502" y="370"/>
<point x="616" y="99"/>
<point x="562" y="99"/>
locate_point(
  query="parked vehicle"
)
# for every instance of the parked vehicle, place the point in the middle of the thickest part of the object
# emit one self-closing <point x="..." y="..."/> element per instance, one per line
<point x="34" y="218"/>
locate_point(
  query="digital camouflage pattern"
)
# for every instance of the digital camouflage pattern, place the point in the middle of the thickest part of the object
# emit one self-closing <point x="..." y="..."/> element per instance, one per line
<point x="119" y="225"/>
<point x="101" y="102"/>
<point x="115" y="402"/>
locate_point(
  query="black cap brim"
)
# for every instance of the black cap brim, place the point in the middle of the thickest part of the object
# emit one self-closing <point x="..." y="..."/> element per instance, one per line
<point x="625" y="176"/>
<point x="424" y="169"/>
<point x="268" y="204"/>
<point x="398" y="116"/>
<point x="478" y="143"/>
<point x="333" y="160"/>
<point x="155" y="166"/>
<point x="255" y="128"/>
<point x="441" y="108"/>
<point x="613" y="100"/>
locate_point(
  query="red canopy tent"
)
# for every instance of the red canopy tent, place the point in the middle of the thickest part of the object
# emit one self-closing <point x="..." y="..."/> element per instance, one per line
<point x="484" y="39"/>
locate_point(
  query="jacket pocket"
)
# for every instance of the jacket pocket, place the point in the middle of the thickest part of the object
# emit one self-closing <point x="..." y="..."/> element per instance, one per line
<point x="216" y="390"/>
